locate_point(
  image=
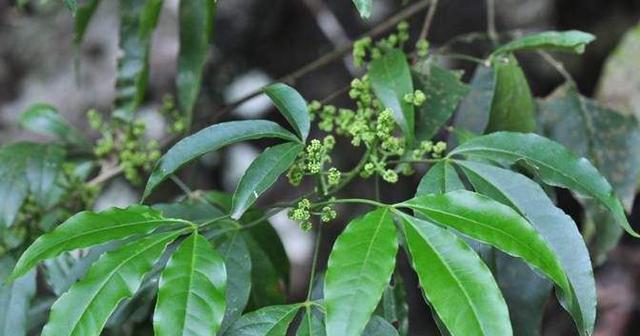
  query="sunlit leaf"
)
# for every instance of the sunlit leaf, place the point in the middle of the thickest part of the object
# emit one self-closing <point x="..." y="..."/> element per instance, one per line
<point x="359" y="268"/>
<point x="192" y="287"/>
<point x="117" y="275"/>
<point x="455" y="281"/>
<point x="210" y="139"/>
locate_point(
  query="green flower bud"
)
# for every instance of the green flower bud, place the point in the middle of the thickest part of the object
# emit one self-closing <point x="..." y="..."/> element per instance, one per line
<point x="334" y="176"/>
<point x="390" y="176"/>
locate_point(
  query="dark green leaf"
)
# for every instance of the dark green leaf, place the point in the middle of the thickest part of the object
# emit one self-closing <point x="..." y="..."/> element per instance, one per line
<point x="44" y="119"/>
<point x="292" y="105"/>
<point x="378" y="326"/>
<point x="312" y="323"/>
<point x="84" y="13"/>
<point x="364" y="7"/>
<point x="191" y="209"/>
<point x="192" y="287"/>
<point x="493" y="223"/>
<point x="473" y="112"/>
<point x="268" y="321"/>
<point x="359" y="268"/>
<point x="573" y="41"/>
<point x="64" y="270"/>
<point x="196" y="29"/>
<point x="267" y="286"/>
<point x="238" y="264"/>
<point x="557" y="228"/>
<point x="555" y="164"/>
<point x="15" y="299"/>
<point x="444" y="91"/>
<point x="441" y="178"/>
<point x="619" y="84"/>
<point x="117" y="275"/>
<point x="391" y="81"/>
<point x="89" y="228"/>
<point x="210" y="139"/>
<point x="138" y="19"/>
<point x="27" y="168"/>
<point x="512" y="107"/>
<point x="394" y="307"/>
<point x="262" y="174"/>
<point x="455" y="281"/>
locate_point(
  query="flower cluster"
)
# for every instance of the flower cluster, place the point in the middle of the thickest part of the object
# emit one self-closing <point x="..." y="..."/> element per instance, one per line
<point x="176" y="121"/>
<point x="302" y="213"/>
<point x="312" y="160"/>
<point x="365" y="46"/>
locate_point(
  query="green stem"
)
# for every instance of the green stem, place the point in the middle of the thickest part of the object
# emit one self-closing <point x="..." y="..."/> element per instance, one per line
<point x="314" y="261"/>
<point x="354" y="200"/>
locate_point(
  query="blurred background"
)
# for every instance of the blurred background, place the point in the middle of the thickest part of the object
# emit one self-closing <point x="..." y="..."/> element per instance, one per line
<point x="257" y="42"/>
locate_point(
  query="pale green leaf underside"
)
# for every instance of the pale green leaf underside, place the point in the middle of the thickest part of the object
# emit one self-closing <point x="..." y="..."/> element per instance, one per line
<point x="458" y="285"/>
<point x="359" y="268"/>
<point x="569" y="41"/>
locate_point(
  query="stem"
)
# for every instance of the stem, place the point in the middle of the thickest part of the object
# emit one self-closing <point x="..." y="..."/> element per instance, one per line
<point x="354" y="200"/>
<point x="183" y="186"/>
<point x="491" y="22"/>
<point x="428" y="20"/>
<point x="416" y="161"/>
<point x="314" y="261"/>
<point x="556" y="65"/>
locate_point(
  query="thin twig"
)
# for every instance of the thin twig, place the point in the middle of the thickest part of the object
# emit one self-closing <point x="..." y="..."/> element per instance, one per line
<point x="556" y="65"/>
<point x="428" y="20"/>
<point x="491" y="22"/>
<point x="314" y="262"/>
<point x="325" y="59"/>
<point x="335" y="94"/>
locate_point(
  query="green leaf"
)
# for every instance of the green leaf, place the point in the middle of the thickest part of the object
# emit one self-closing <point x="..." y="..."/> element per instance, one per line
<point x="191" y="296"/>
<point x="493" y="223"/>
<point x="393" y="306"/>
<point x="262" y="174"/>
<point x="512" y="107"/>
<point x="391" y="81"/>
<point x="72" y="5"/>
<point x="90" y="228"/>
<point x="267" y="285"/>
<point x="191" y="209"/>
<point x="83" y="16"/>
<point x="64" y="270"/>
<point x="45" y="119"/>
<point x="138" y="19"/>
<point x="27" y="168"/>
<point x="441" y="178"/>
<point x="210" y="139"/>
<point x="359" y="268"/>
<point x="117" y="275"/>
<point x="312" y="323"/>
<point x="364" y="7"/>
<point x="619" y="84"/>
<point x="555" y="164"/>
<point x="196" y="29"/>
<point x="444" y="91"/>
<point x="15" y="299"/>
<point x="378" y="326"/>
<point x="455" y="281"/>
<point x="473" y="112"/>
<point x="268" y="321"/>
<point x="573" y="41"/>
<point x="292" y="106"/>
<point x="238" y="264"/>
<point x="557" y="228"/>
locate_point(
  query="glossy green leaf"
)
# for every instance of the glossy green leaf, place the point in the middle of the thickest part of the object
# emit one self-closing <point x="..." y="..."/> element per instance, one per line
<point x="45" y="119"/>
<point x="268" y="321"/>
<point x="455" y="281"/>
<point x="555" y="164"/>
<point x="83" y="16"/>
<point x="90" y="228"/>
<point x="15" y="299"/>
<point x="27" y="169"/>
<point x="364" y="7"/>
<point x="117" y="275"/>
<point x="312" y="323"/>
<point x="619" y="84"/>
<point x="192" y="287"/>
<point x="262" y="174"/>
<point x="444" y="91"/>
<point x="377" y="326"/>
<point x="238" y="264"/>
<point x="138" y="19"/>
<point x="512" y="107"/>
<point x="391" y="81"/>
<point x="557" y="228"/>
<point x="292" y="106"/>
<point x="573" y="41"/>
<point x="267" y="285"/>
<point x="196" y="29"/>
<point x="210" y="139"/>
<point x="473" y="112"/>
<point x="493" y="223"/>
<point x="441" y="178"/>
<point x="359" y="268"/>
